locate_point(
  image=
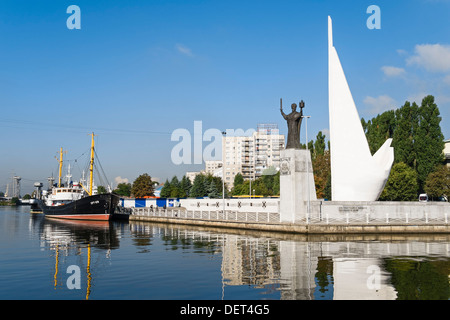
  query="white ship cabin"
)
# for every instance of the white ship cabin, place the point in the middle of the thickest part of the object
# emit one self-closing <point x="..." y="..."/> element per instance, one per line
<point x="63" y="195"/>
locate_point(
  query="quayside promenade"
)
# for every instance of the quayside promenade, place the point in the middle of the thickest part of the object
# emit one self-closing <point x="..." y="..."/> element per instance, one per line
<point x="325" y="217"/>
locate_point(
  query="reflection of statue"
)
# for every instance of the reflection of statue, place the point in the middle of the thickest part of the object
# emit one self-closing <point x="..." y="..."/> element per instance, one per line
<point x="294" y="121"/>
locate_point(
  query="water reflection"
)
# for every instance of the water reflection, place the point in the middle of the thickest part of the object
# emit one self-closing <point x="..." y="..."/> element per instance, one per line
<point x="321" y="267"/>
<point x="275" y="265"/>
<point x="72" y="243"/>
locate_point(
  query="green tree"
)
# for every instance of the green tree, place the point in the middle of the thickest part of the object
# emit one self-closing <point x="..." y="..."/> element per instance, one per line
<point x="186" y="185"/>
<point x="276" y="184"/>
<point x="437" y="183"/>
<point x="417" y="137"/>
<point x="237" y="185"/>
<point x="211" y="190"/>
<point x="322" y="173"/>
<point x="101" y="190"/>
<point x="175" y="188"/>
<point x="238" y="179"/>
<point x="407" y="122"/>
<point x="215" y="183"/>
<point x="266" y="185"/>
<point x="166" y="190"/>
<point x="142" y="186"/>
<point x="242" y="189"/>
<point x="379" y="129"/>
<point x="207" y="186"/>
<point x="198" y="187"/>
<point x="319" y="145"/>
<point x="402" y="184"/>
<point x="123" y="189"/>
<point x="429" y="140"/>
<point x="270" y="182"/>
<point x="15" y="201"/>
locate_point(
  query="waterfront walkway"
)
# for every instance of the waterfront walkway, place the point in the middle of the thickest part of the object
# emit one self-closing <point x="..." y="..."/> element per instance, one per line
<point x="270" y="221"/>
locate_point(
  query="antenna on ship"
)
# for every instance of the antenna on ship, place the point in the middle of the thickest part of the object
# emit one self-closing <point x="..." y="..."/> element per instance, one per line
<point x="68" y="176"/>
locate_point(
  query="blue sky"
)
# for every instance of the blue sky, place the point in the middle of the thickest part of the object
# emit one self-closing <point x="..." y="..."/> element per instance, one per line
<point x="138" y="70"/>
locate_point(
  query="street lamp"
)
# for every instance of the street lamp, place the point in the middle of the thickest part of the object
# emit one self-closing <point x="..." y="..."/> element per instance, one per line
<point x="223" y="172"/>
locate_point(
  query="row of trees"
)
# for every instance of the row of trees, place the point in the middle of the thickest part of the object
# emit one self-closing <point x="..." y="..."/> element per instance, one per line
<point x="204" y="185"/>
<point x="266" y="185"/>
<point x="418" y="150"/>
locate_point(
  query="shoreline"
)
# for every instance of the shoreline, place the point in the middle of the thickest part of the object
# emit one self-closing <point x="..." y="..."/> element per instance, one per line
<point x="299" y="228"/>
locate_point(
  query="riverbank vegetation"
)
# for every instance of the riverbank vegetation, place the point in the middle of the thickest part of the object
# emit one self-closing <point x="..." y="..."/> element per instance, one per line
<point x="12" y="202"/>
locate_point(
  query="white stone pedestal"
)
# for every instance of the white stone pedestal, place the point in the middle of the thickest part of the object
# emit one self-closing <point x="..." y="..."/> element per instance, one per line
<point x="297" y="188"/>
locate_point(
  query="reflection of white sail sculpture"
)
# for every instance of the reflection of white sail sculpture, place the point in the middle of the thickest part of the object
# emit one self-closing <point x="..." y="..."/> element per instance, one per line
<point x="356" y="175"/>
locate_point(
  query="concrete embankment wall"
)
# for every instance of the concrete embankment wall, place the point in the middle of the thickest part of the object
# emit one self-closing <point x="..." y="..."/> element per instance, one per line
<point x="303" y="228"/>
<point x="380" y="210"/>
<point x="324" y="217"/>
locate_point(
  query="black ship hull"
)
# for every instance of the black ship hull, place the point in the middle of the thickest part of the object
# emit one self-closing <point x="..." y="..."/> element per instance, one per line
<point x="96" y="207"/>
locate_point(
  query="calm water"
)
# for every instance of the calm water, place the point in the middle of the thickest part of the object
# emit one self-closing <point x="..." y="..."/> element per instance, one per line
<point x="46" y="259"/>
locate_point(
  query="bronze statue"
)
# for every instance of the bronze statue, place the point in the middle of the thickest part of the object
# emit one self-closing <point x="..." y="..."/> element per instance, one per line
<point x="294" y="122"/>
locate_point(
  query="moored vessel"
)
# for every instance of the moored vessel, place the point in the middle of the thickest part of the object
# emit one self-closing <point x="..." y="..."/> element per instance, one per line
<point x="77" y="201"/>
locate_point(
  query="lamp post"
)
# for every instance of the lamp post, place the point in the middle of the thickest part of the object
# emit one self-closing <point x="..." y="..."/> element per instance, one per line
<point x="307" y="170"/>
<point x="223" y="172"/>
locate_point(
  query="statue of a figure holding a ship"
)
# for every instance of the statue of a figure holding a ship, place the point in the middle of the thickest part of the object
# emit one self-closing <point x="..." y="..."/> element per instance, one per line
<point x="294" y="122"/>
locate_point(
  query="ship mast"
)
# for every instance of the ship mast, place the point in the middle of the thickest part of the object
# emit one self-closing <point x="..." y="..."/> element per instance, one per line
<point x="60" y="160"/>
<point x="91" y="166"/>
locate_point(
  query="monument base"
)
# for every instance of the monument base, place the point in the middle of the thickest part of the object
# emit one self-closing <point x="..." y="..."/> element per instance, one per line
<point x="297" y="186"/>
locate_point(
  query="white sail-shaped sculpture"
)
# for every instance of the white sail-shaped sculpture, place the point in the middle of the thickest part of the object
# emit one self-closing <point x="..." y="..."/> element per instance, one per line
<point x="356" y="175"/>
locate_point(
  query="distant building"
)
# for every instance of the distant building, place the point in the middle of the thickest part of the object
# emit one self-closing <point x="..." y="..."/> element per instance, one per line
<point x="248" y="155"/>
<point x="191" y="175"/>
<point x="251" y="155"/>
<point x="213" y="167"/>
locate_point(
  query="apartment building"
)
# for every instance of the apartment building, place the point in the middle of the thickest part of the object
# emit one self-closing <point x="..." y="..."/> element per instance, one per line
<point x="252" y="154"/>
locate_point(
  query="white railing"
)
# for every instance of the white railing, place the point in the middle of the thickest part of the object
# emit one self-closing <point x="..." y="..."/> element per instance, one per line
<point x="208" y="214"/>
<point x="387" y="218"/>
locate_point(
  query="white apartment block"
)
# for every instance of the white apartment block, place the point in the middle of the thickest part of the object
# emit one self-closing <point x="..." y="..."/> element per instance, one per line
<point x="213" y="167"/>
<point x="251" y="155"/>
